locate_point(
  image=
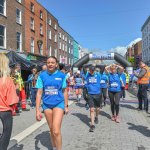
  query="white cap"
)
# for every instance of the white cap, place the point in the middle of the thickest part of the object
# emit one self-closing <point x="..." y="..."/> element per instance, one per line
<point x="78" y="72"/>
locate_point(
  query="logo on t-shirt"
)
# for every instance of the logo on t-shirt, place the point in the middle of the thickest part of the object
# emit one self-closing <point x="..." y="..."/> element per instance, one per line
<point x="58" y="78"/>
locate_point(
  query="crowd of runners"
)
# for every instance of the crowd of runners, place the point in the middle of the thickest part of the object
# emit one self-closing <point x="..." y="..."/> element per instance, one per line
<point x="53" y="85"/>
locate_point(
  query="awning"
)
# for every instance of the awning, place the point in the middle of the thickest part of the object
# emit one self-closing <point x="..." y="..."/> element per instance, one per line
<point x="15" y="58"/>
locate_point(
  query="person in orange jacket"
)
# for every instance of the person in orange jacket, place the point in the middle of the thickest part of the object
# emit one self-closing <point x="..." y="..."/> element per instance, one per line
<point x="143" y="82"/>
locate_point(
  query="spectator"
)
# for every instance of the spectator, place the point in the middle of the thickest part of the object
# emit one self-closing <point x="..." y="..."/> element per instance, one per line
<point x="32" y="79"/>
<point x="8" y="98"/>
<point x="143" y="82"/>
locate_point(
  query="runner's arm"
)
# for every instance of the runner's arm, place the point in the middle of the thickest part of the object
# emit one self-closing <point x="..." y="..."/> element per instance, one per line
<point x="39" y="86"/>
<point x="107" y="69"/>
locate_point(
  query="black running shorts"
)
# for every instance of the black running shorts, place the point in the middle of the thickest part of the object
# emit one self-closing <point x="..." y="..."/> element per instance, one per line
<point x="94" y="100"/>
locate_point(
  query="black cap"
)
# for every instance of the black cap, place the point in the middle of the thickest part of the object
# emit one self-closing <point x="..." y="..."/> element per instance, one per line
<point x="92" y="68"/>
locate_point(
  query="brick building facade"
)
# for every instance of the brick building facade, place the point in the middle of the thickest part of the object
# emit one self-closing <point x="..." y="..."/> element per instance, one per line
<point x="135" y="52"/>
<point x="12" y="25"/>
<point x="62" y="46"/>
<point x="35" y="28"/>
<point x="52" y="34"/>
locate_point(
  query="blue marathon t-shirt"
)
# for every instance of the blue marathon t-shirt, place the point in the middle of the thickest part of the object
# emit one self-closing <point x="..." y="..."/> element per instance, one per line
<point x="52" y="85"/>
<point x="123" y="77"/>
<point x="78" y="81"/>
<point x="104" y="80"/>
<point x="114" y="82"/>
<point x="93" y="83"/>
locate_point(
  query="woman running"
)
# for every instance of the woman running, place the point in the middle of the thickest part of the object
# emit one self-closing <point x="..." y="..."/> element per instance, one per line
<point x="114" y="90"/>
<point x="78" y="85"/>
<point x="50" y="86"/>
<point x="71" y="84"/>
<point x="104" y="86"/>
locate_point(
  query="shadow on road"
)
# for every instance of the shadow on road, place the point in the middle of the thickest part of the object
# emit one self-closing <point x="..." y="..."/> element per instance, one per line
<point x="80" y="104"/>
<point x="142" y="129"/>
<point x="84" y="118"/>
<point x="128" y="106"/>
<point x="102" y="113"/>
<point x="17" y="147"/>
<point x="44" y="140"/>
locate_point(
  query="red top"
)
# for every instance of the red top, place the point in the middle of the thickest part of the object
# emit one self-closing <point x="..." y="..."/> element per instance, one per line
<point x="8" y="94"/>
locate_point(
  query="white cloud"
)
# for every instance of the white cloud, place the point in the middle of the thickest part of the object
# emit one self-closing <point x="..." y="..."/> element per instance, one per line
<point x="122" y="49"/>
<point x="119" y="49"/>
<point x="134" y="42"/>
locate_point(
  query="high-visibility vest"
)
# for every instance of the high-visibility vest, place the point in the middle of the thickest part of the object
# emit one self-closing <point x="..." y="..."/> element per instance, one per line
<point x="127" y="77"/>
<point x="145" y="79"/>
<point x="18" y="80"/>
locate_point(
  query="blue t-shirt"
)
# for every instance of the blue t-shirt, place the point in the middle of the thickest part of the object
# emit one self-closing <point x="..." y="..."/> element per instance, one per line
<point x="123" y="77"/>
<point x="114" y="82"/>
<point x="93" y="83"/>
<point x="104" y="80"/>
<point x="52" y="85"/>
<point x="78" y="81"/>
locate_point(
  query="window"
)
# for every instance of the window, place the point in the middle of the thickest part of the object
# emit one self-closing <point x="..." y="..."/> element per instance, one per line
<point x="18" y="16"/>
<point x="2" y="36"/>
<point x="32" y="7"/>
<point x="59" y="35"/>
<point x="19" y="1"/>
<point x="60" y="58"/>
<point x="69" y="41"/>
<point x="3" y="7"/>
<point x="19" y="41"/>
<point x="55" y="53"/>
<point x="49" y="21"/>
<point x="63" y="48"/>
<point x="32" y="23"/>
<point x="66" y="48"/>
<point x="66" y="39"/>
<point x="49" y="34"/>
<point x="41" y="29"/>
<point x="50" y="51"/>
<point x="41" y="14"/>
<point x="63" y="37"/>
<point x="69" y="49"/>
<point x="55" y="27"/>
<point x="69" y="60"/>
<point x="41" y="49"/>
<point x="55" y="40"/>
<point x="32" y="45"/>
<point x="60" y="45"/>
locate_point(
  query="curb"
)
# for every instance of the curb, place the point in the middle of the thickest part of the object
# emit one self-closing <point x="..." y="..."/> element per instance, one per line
<point x="19" y="137"/>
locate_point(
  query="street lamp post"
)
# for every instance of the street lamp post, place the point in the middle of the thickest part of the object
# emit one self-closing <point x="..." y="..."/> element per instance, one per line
<point x="39" y="43"/>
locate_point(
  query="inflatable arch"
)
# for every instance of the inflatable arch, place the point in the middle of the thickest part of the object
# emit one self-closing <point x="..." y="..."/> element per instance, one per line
<point x="111" y="56"/>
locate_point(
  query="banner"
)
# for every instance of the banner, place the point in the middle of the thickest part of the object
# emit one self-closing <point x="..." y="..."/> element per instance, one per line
<point x="101" y="57"/>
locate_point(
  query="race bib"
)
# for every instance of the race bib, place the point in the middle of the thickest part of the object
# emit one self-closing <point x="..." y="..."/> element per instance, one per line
<point x="114" y="85"/>
<point x="51" y="91"/>
<point x="92" y="80"/>
<point x="102" y="81"/>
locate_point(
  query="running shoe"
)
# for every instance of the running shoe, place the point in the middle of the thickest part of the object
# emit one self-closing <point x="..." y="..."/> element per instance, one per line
<point x="117" y="119"/>
<point x="92" y="127"/>
<point x="96" y="120"/>
<point x="113" y="118"/>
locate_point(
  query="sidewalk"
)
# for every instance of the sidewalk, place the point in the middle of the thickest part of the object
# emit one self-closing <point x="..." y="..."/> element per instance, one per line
<point x="133" y="133"/>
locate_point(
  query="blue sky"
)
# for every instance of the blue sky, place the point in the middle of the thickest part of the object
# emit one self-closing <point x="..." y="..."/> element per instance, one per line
<point x="100" y="24"/>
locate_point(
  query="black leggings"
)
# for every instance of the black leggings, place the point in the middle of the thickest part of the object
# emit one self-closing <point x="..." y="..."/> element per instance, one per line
<point x="114" y="100"/>
<point x="85" y="93"/>
<point x="7" y="121"/>
<point x="104" y="93"/>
